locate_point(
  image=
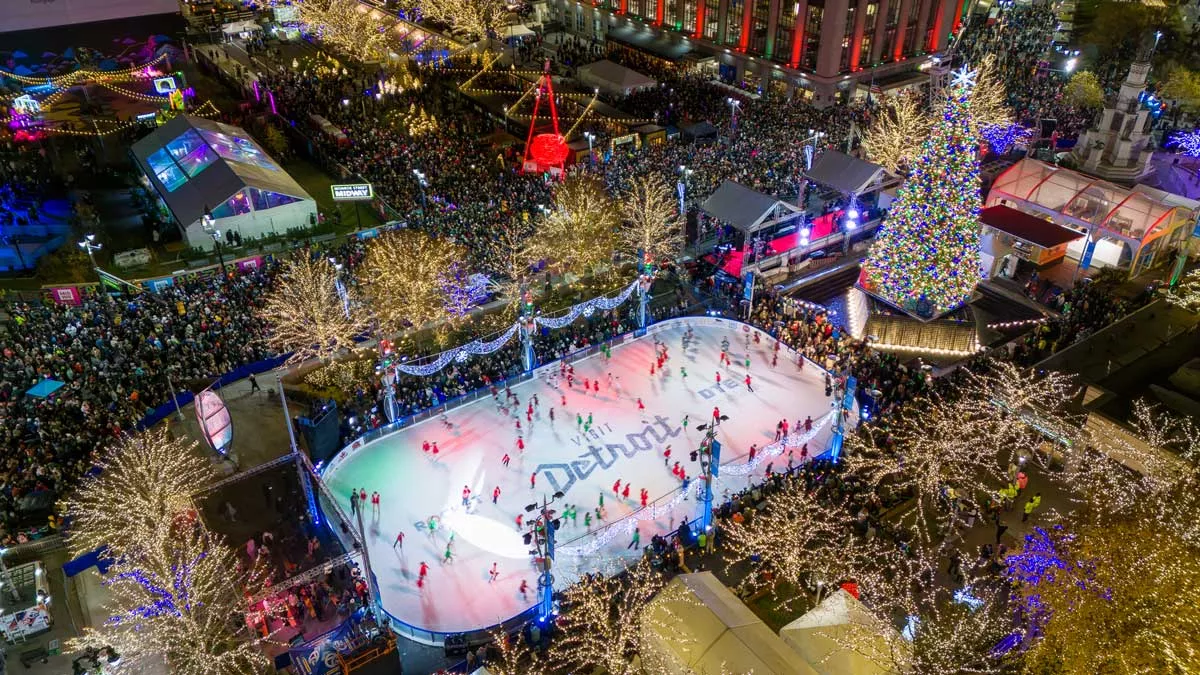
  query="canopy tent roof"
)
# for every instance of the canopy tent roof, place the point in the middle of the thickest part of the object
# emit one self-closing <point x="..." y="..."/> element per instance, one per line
<point x="747" y="210"/>
<point x="1028" y="227"/>
<point x="196" y="163"/>
<point x="846" y="174"/>
<point x="613" y="77"/>
<point x="45" y="388"/>
<point x="697" y="625"/>
<point x="701" y="129"/>
<point x="1132" y="215"/>
<point x="821" y="636"/>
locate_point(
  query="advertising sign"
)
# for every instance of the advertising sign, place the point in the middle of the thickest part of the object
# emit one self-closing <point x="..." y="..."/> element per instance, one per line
<point x="353" y="192"/>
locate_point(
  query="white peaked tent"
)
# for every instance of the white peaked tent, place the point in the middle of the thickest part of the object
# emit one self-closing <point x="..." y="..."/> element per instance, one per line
<point x="823" y="637"/>
<point x="697" y="626"/>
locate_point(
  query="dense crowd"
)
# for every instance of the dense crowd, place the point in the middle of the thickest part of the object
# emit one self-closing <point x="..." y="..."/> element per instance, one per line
<point x="1020" y="38"/>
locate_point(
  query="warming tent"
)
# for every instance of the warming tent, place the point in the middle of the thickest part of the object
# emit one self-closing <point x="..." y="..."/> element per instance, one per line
<point x="196" y="164"/>
<point x="1126" y="228"/>
<point x="613" y="78"/>
<point x="821" y="636"/>
<point x="697" y="625"/>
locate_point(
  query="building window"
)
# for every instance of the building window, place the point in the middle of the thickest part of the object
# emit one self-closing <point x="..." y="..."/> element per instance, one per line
<point x="758" y="28"/>
<point x="712" y="19"/>
<point x="848" y="37"/>
<point x="785" y="32"/>
<point x="733" y="23"/>
<point x="812" y="36"/>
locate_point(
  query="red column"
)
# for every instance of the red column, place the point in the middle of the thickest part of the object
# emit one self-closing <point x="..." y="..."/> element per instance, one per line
<point x="798" y="34"/>
<point x="624" y="7"/>
<point x="700" y="7"/>
<point x="658" y="13"/>
<point x="747" y="15"/>
<point x="935" y="37"/>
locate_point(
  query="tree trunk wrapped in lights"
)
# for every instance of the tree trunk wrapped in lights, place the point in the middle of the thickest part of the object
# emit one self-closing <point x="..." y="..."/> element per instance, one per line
<point x="1187" y="293"/>
<point x="175" y="590"/>
<point x="311" y="310"/>
<point x="895" y="136"/>
<point x="653" y="223"/>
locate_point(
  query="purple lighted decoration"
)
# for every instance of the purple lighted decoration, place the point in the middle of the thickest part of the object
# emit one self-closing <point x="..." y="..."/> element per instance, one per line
<point x="1002" y="137"/>
<point x="1187" y="142"/>
<point x="271" y="100"/>
<point x="257" y="96"/>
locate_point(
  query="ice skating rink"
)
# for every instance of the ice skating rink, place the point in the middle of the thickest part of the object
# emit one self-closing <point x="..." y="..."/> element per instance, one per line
<point x="623" y="444"/>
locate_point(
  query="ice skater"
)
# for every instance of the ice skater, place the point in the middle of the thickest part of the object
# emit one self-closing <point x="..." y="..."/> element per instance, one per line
<point x="625" y="492"/>
<point x="552" y="417"/>
<point x="748" y="387"/>
<point x="493" y="573"/>
<point x="645" y="497"/>
<point x="496" y="494"/>
<point x="617" y="488"/>
<point x="641" y="406"/>
<point x="399" y="543"/>
<point x="520" y="444"/>
<point x="718" y="378"/>
<point x="667" y="456"/>
<point x="505" y="459"/>
<point x="421" y="574"/>
<point x="533" y="480"/>
<point x="375" y="504"/>
<point x="448" y="556"/>
<point x="636" y="544"/>
<point x="524" y="590"/>
<point x="466" y="495"/>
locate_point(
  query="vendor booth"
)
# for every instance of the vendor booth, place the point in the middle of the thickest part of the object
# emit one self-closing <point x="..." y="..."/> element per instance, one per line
<point x="613" y="78"/>
<point x="1013" y="244"/>
<point x="216" y="180"/>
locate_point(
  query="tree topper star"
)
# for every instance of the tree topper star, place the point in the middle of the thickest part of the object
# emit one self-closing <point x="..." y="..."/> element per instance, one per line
<point x="964" y="77"/>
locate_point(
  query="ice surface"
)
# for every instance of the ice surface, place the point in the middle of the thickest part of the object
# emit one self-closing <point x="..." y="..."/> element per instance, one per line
<point x="624" y="443"/>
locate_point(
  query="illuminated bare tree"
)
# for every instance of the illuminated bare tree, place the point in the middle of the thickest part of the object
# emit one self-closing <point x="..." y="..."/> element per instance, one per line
<point x="175" y="592"/>
<point x="409" y="280"/>
<point x="894" y="139"/>
<point x="312" y="312"/>
<point x="346" y="25"/>
<point x="477" y="19"/>
<point x="653" y="223"/>
<point x="579" y="235"/>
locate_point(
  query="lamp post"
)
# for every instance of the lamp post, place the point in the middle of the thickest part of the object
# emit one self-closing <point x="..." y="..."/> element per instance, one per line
<point x="852" y="216"/>
<point x="210" y="226"/>
<point x="733" y="108"/>
<point x="15" y="242"/>
<point x="422" y="184"/>
<point x="590" y="138"/>
<point x="90" y="245"/>
<point x="544" y="549"/>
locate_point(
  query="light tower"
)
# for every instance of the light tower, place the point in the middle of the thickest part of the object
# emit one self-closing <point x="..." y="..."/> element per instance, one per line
<point x="545" y="147"/>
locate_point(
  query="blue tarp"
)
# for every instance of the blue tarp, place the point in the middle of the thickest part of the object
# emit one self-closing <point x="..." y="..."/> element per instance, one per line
<point x="44" y="388"/>
<point x="97" y="558"/>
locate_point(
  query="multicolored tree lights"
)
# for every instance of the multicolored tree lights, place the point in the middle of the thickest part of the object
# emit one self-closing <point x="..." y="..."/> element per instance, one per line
<point x="925" y="259"/>
<point x="312" y="310"/>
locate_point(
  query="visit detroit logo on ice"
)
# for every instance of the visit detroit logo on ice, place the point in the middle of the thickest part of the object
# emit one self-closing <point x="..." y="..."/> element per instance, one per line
<point x="562" y="476"/>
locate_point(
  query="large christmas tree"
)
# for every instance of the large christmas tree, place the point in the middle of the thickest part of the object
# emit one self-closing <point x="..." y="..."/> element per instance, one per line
<point x="925" y="259"/>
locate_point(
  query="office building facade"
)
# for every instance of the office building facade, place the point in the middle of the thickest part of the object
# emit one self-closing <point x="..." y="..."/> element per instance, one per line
<point x="824" y="51"/>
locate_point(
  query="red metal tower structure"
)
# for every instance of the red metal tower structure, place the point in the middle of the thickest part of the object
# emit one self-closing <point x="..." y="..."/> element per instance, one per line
<point x="545" y="148"/>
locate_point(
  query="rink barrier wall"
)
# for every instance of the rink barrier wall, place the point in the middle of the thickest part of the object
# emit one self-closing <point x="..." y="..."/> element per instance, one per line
<point x="484" y="635"/>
